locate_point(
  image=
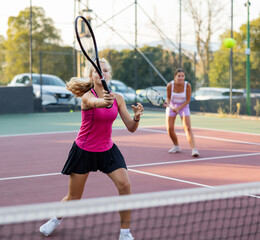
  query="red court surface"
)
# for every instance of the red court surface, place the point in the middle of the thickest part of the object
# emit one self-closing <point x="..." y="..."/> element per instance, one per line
<point x="30" y="164"/>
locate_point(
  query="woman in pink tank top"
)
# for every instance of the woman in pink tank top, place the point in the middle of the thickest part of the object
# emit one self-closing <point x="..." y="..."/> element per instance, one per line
<point x="177" y="102"/>
<point x="93" y="148"/>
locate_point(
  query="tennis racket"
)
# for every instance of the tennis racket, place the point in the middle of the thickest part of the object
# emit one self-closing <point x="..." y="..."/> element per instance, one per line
<point x="155" y="97"/>
<point x="88" y="45"/>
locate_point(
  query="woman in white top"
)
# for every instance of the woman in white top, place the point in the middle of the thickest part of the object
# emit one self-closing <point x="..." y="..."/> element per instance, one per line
<point x="177" y="102"/>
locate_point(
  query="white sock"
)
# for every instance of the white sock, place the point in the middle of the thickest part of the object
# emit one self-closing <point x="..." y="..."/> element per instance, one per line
<point x="125" y="231"/>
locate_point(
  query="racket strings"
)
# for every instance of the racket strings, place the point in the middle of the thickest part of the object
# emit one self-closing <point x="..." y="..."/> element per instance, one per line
<point x="154" y="97"/>
<point x="86" y="40"/>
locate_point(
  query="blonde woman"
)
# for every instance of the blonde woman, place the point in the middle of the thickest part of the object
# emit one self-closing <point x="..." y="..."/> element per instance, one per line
<point x="93" y="148"/>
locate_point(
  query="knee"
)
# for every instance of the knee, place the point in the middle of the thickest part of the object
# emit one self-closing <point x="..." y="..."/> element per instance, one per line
<point x="124" y="187"/>
<point x="187" y="128"/>
<point x="170" y="128"/>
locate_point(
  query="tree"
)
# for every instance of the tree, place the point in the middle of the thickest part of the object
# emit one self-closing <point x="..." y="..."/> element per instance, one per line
<point x="164" y="60"/>
<point x="45" y="38"/>
<point x="205" y="25"/>
<point x="2" y="56"/>
<point x="219" y="67"/>
<point x="255" y="50"/>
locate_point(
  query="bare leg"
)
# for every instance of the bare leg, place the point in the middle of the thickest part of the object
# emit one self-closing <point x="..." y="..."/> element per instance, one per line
<point x="187" y="128"/>
<point x="122" y="182"/>
<point x="170" y="122"/>
<point x="76" y="186"/>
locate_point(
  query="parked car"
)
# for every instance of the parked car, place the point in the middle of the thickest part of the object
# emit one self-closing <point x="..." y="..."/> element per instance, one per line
<point x="253" y="92"/>
<point x="119" y="87"/>
<point x="206" y="93"/>
<point x="53" y="88"/>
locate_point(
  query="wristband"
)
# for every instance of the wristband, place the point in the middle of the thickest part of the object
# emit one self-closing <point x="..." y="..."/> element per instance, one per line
<point x="136" y="120"/>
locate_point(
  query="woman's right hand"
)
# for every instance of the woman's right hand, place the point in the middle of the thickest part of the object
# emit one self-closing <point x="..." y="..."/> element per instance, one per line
<point x="109" y="97"/>
<point x="165" y="104"/>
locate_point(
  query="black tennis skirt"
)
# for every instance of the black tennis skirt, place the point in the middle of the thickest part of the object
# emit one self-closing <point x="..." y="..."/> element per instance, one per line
<point x="81" y="161"/>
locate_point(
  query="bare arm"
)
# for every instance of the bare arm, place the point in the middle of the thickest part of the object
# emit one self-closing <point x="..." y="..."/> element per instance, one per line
<point x="130" y="123"/>
<point x="90" y="101"/>
<point x="169" y="93"/>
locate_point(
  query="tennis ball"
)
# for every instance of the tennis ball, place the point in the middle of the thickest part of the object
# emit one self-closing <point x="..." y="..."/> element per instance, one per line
<point x="71" y="111"/>
<point x="229" y="42"/>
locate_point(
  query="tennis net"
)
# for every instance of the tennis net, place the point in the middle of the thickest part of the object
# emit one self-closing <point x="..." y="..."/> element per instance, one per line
<point x="223" y="212"/>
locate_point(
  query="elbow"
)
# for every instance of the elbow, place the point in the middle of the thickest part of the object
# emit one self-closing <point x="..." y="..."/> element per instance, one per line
<point x="188" y="100"/>
<point x="131" y="129"/>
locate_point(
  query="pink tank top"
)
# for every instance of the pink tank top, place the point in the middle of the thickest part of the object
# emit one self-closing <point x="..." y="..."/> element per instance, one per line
<point x="96" y="128"/>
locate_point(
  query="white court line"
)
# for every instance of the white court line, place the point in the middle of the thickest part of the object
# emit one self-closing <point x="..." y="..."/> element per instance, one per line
<point x="46" y="133"/>
<point x="180" y="180"/>
<point x="145" y="128"/>
<point x="194" y="160"/>
<point x="170" y="178"/>
<point x="141" y="165"/>
<point x="208" y="129"/>
<point x="30" y="176"/>
<point x="199" y="136"/>
<point x="151" y="164"/>
<point x="132" y="170"/>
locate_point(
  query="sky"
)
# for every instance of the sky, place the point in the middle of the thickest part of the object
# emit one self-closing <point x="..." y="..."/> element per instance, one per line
<point x="165" y="13"/>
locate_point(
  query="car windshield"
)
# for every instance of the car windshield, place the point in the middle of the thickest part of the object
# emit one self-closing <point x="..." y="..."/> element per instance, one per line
<point x="48" y="80"/>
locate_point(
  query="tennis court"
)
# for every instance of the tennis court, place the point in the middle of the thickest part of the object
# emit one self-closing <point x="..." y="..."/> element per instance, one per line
<point x="34" y="152"/>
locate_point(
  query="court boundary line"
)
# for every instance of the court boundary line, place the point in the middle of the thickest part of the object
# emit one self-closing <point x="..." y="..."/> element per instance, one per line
<point x="122" y="128"/>
<point x="213" y="129"/>
<point x="193" y="160"/>
<point x="206" y="137"/>
<point x="46" y="133"/>
<point x="180" y="180"/>
<point x="140" y="129"/>
<point x="138" y="165"/>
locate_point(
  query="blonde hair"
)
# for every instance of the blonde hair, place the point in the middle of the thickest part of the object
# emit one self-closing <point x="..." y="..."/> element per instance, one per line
<point x="79" y="87"/>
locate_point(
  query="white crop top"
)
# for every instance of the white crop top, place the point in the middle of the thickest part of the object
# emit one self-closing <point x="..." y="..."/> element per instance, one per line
<point x="178" y="97"/>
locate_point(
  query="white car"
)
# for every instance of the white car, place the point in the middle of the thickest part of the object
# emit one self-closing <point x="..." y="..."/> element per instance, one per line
<point x="206" y="93"/>
<point x="52" y="90"/>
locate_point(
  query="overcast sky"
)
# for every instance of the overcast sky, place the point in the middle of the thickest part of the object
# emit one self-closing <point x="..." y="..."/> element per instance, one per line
<point x="164" y="12"/>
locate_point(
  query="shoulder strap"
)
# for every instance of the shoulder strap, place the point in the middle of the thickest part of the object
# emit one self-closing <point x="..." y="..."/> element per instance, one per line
<point x="172" y="85"/>
<point x="185" y="85"/>
<point x="93" y="91"/>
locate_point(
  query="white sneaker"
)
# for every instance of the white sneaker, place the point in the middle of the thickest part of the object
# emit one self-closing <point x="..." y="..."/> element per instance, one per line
<point x="195" y="152"/>
<point x="47" y="228"/>
<point x="175" y="149"/>
<point x="127" y="236"/>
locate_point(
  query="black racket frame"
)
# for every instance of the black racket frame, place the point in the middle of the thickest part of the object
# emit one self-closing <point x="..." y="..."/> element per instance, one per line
<point x="92" y="61"/>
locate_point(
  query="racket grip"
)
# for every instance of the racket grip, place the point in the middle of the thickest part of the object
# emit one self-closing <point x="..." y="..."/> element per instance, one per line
<point x="104" y="83"/>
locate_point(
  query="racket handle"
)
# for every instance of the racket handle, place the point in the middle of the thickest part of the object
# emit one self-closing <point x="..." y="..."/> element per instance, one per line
<point x="104" y="83"/>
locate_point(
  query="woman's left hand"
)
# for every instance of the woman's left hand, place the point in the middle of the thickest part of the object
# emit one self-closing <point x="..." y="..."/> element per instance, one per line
<point x="138" y="110"/>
